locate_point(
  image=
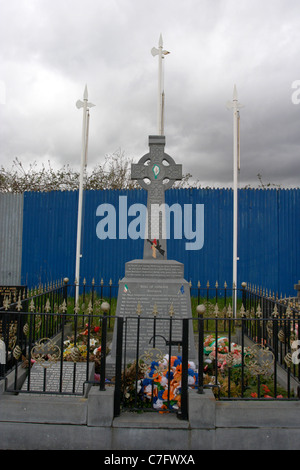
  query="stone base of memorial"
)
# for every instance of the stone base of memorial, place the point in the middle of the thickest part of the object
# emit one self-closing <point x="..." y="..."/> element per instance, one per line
<point x="152" y="288"/>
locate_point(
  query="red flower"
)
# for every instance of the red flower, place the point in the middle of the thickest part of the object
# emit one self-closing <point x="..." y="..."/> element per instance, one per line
<point x="96" y="329"/>
<point x="254" y="395"/>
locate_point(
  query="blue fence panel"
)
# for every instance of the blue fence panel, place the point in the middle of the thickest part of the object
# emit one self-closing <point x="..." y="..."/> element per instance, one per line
<point x="288" y="240"/>
<point x="106" y="258"/>
<point x="49" y="236"/>
<point x="258" y="238"/>
<point x="268" y="235"/>
<point x="213" y="262"/>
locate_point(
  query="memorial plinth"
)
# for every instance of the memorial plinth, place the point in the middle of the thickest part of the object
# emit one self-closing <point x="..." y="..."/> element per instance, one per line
<point x="156" y="288"/>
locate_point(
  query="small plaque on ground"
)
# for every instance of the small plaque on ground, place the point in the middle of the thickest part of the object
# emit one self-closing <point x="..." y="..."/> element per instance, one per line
<point x="72" y="377"/>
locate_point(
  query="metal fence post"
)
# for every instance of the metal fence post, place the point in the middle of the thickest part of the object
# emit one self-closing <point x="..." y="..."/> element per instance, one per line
<point x="184" y="377"/>
<point x="2" y="359"/>
<point x="105" y="308"/>
<point x="118" y="382"/>
<point x="243" y="348"/>
<point x="275" y="347"/>
<point x="65" y="289"/>
<point x="244" y="297"/>
<point x="65" y="296"/>
<point x="200" y="352"/>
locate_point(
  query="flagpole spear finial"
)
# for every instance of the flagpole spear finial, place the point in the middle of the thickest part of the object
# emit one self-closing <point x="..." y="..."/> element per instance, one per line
<point x="85" y="94"/>
<point x="160" y="41"/>
<point x="160" y="52"/>
<point x="235" y="95"/>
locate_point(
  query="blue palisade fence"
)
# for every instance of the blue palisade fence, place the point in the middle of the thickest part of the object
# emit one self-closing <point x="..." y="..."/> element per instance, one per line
<point x="268" y="237"/>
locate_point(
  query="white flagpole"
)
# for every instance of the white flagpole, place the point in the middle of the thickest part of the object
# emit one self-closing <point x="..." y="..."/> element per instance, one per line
<point x="84" y="145"/>
<point x="160" y="46"/>
<point x="235" y="105"/>
<point x="160" y="52"/>
<point x="235" y="197"/>
<point x="87" y="137"/>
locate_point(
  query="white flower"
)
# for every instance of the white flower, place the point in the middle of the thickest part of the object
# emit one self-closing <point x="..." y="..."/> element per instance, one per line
<point x="191" y="380"/>
<point x="158" y="404"/>
<point x="148" y="389"/>
<point x="165" y="360"/>
<point x="164" y="381"/>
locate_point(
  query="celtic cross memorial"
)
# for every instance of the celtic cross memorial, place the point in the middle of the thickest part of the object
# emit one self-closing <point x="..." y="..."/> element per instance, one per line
<point x="156" y="172"/>
<point x="153" y="285"/>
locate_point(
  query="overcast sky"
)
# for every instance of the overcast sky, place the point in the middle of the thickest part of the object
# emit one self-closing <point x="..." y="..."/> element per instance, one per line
<point x="49" y="50"/>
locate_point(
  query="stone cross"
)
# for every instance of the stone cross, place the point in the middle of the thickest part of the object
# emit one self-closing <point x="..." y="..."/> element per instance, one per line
<point x="156" y="172"/>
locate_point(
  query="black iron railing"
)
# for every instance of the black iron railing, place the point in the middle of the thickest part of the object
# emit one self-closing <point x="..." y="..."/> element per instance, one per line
<point x="154" y="374"/>
<point x="53" y="353"/>
<point x="251" y="355"/>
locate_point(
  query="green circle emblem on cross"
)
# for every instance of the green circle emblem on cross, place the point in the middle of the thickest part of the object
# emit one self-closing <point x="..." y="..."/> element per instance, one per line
<point x="156" y="171"/>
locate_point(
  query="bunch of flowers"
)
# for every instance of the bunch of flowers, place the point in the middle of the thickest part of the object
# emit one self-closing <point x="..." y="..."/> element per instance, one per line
<point x="82" y="348"/>
<point x="210" y="344"/>
<point x="220" y="348"/>
<point x="162" y="382"/>
<point x="87" y="345"/>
